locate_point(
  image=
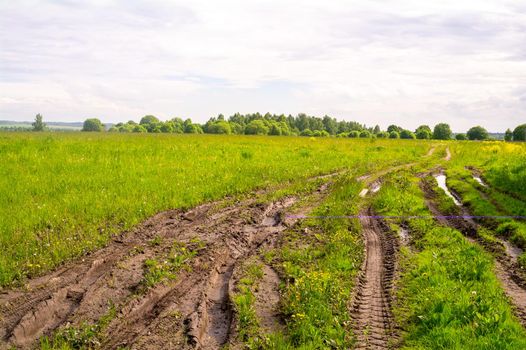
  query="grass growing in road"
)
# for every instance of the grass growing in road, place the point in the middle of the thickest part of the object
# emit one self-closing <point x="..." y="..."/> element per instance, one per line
<point x="448" y="296"/>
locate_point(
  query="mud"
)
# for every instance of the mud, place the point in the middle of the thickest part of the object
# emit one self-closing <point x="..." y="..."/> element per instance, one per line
<point x="194" y="310"/>
<point x="371" y="310"/>
<point x="447" y="158"/>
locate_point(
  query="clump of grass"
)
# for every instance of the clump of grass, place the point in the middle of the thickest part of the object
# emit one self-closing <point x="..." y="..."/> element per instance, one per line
<point x="85" y="336"/>
<point x="167" y="269"/>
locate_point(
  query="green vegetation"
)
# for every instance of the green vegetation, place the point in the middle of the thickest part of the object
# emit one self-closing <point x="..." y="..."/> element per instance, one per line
<point x="447" y="296"/>
<point x="93" y="124"/>
<point x="39" y="125"/>
<point x="62" y="195"/>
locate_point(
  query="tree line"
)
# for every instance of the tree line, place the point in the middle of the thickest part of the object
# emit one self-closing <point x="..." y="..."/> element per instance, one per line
<point x="302" y="125"/>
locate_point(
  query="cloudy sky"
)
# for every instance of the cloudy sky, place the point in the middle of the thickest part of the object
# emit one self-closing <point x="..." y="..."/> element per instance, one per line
<point x="377" y="62"/>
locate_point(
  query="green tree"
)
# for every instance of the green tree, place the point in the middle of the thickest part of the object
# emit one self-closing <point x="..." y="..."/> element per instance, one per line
<point x="461" y="137"/>
<point x="396" y="128"/>
<point x="408" y="135"/>
<point x="149" y="119"/>
<point x="423" y="128"/>
<point x="376" y="130"/>
<point x="92" y="124"/>
<point x="39" y="125"/>
<point x="423" y="134"/>
<point x="382" y="135"/>
<point x="256" y="127"/>
<point x="139" y="128"/>
<point x="477" y="133"/>
<point x="508" y="136"/>
<point x="442" y="131"/>
<point x="519" y="134"/>
<point x="220" y="127"/>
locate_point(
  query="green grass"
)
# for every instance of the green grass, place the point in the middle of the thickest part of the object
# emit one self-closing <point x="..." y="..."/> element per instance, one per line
<point x="62" y="195"/>
<point x="448" y="296"/>
<point x="318" y="262"/>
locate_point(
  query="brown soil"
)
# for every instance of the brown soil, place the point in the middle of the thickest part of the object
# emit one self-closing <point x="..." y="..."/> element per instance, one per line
<point x="371" y="311"/>
<point x="447" y="158"/>
<point x="194" y="310"/>
<point x="506" y="269"/>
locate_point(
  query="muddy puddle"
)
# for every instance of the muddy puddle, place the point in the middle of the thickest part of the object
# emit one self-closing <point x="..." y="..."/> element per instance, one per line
<point x="403" y="233"/>
<point x="441" y="181"/>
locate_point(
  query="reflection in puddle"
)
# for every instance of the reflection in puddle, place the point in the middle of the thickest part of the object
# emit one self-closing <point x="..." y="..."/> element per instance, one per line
<point x="441" y="180"/>
<point x="376" y="187"/>
<point x="404" y="235"/>
<point x="364" y="192"/>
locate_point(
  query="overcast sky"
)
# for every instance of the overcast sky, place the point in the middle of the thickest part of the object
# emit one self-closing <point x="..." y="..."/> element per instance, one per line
<point x="376" y="62"/>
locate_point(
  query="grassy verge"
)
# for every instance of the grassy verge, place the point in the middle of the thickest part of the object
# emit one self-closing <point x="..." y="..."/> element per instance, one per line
<point x="447" y="296"/>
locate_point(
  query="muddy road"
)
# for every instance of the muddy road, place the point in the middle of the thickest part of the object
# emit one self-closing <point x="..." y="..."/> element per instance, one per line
<point x="192" y="310"/>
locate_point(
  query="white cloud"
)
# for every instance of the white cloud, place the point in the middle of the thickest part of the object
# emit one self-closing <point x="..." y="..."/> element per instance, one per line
<point x="401" y="62"/>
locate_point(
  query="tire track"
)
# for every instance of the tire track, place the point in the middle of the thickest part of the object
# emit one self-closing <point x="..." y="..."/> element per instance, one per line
<point x="371" y="310"/>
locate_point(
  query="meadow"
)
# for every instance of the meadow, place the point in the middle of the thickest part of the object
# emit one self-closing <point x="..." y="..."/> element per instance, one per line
<point x="445" y="281"/>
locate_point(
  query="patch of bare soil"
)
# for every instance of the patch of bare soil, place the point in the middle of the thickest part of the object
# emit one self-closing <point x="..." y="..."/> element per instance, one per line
<point x="430" y="152"/>
<point x="371" y="310"/>
<point x="506" y="269"/>
<point x="192" y="311"/>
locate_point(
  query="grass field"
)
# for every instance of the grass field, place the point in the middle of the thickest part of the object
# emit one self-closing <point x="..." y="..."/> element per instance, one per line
<point x="448" y="283"/>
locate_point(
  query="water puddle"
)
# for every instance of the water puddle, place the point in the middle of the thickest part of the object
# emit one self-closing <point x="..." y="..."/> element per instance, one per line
<point x="479" y="180"/>
<point x="364" y="192"/>
<point x="441" y="180"/>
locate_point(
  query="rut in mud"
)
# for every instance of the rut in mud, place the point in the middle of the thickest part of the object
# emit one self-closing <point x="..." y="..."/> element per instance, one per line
<point x="371" y="310"/>
<point x="193" y="310"/>
<point x="506" y="269"/>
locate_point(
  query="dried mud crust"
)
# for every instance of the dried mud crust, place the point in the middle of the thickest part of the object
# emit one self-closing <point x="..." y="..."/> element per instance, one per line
<point x="371" y="309"/>
<point x="507" y="271"/>
<point x="192" y="311"/>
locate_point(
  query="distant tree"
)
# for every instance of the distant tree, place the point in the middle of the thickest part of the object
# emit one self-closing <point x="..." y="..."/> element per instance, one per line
<point x="508" y="136"/>
<point x="193" y="129"/>
<point x="519" y="134"/>
<point x="220" y="127"/>
<point x="354" y="134"/>
<point x="408" y="135"/>
<point x="477" y="133"/>
<point x="394" y="135"/>
<point x="306" y="132"/>
<point x="330" y="125"/>
<point x="442" y="131"/>
<point x="382" y="135"/>
<point x="365" y="134"/>
<point x="149" y="119"/>
<point x="423" y="128"/>
<point x="394" y="128"/>
<point x="257" y="127"/>
<point x="423" y="134"/>
<point x="376" y="129"/>
<point x="92" y="124"/>
<point x="39" y="125"/>
<point x="139" y="128"/>
<point x="461" y="137"/>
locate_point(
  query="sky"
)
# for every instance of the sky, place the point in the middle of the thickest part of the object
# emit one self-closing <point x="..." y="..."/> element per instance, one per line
<point x="376" y="62"/>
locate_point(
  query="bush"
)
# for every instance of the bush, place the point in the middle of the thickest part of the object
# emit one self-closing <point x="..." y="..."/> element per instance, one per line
<point x="365" y="134"/>
<point x="149" y="119"/>
<point x="382" y="135"/>
<point x="423" y="134"/>
<point x="92" y="124"/>
<point x="461" y="137"/>
<point x="354" y="134"/>
<point x="394" y="135"/>
<point x="220" y="127"/>
<point x="407" y="135"/>
<point x="306" y="132"/>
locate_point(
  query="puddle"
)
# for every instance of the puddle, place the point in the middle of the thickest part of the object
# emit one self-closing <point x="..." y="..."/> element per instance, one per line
<point x="404" y="235"/>
<point x="511" y="249"/>
<point x="479" y="180"/>
<point x="363" y="193"/>
<point x="441" y="180"/>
